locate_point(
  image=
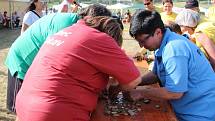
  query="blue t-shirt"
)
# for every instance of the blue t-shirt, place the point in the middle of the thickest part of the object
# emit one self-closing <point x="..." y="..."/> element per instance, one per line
<point x="183" y="68"/>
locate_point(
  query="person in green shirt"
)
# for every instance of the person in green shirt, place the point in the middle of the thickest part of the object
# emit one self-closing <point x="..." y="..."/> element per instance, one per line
<point x="26" y="46"/>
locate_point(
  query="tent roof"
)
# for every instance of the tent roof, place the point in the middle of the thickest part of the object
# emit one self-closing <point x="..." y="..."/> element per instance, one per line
<point x="21" y="0"/>
<point x="118" y="6"/>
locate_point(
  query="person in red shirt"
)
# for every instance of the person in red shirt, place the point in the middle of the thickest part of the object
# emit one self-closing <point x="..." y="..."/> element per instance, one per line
<point x="71" y="69"/>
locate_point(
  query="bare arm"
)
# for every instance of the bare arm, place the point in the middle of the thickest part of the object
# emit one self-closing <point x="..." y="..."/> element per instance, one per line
<point x="131" y="85"/>
<point x="153" y="92"/>
<point x="209" y="47"/>
<point x="24" y="27"/>
<point x="149" y="78"/>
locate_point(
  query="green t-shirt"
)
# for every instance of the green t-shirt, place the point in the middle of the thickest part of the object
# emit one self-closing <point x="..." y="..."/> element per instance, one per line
<point x="27" y="45"/>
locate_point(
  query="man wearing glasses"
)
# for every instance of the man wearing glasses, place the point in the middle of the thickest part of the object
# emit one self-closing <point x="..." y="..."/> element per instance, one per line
<point x="149" y="5"/>
<point x="185" y="75"/>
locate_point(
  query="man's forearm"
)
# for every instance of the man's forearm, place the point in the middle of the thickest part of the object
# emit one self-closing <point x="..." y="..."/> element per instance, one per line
<point x="161" y="93"/>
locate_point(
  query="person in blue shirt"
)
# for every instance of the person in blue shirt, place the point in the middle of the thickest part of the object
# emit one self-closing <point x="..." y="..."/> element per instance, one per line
<point x="185" y="75"/>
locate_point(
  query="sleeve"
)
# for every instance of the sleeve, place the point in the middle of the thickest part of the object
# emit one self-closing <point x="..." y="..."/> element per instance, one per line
<point x="27" y="19"/>
<point x="176" y="74"/>
<point x="106" y="56"/>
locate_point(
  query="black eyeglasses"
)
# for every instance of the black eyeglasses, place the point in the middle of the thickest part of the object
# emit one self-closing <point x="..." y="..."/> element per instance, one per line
<point x="142" y="41"/>
<point x="147" y="3"/>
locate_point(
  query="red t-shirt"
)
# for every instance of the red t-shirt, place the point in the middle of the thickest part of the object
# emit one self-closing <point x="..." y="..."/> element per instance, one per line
<point x="68" y="73"/>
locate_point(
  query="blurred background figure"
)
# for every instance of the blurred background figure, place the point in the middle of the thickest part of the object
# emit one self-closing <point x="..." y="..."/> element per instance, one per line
<point x="1" y="18"/>
<point x="119" y="15"/>
<point x="194" y="5"/>
<point x="168" y="14"/>
<point x="188" y="21"/>
<point x="6" y="19"/>
<point x="15" y="19"/>
<point x="65" y="6"/>
<point x="174" y="27"/>
<point x="211" y="11"/>
<point x="33" y="13"/>
<point x="127" y="17"/>
<point x="149" y="5"/>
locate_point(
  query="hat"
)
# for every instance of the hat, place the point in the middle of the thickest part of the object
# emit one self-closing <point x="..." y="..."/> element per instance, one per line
<point x="192" y="4"/>
<point x="188" y="18"/>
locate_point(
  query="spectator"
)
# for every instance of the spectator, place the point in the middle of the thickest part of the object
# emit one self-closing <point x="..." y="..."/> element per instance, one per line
<point x="127" y="18"/>
<point x="194" y="5"/>
<point x="149" y="5"/>
<point x="34" y="12"/>
<point x="15" y="19"/>
<point x="6" y="19"/>
<point x="211" y="11"/>
<point x="168" y="14"/>
<point x="1" y="18"/>
<point x="65" y="6"/>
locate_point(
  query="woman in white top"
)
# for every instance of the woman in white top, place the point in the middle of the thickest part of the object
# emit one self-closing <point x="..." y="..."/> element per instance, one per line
<point x="34" y="12"/>
<point x="65" y="6"/>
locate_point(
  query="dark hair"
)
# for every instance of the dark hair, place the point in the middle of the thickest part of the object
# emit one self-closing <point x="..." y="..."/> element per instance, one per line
<point x="94" y="10"/>
<point x="174" y="27"/>
<point x="191" y="4"/>
<point x="119" y="21"/>
<point x="145" y="22"/>
<point x="167" y="1"/>
<point x="32" y="6"/>
<point x="107" y="25"/>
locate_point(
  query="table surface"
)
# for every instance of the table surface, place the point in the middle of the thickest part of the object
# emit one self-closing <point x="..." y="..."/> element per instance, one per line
<point x="149" y="111"/>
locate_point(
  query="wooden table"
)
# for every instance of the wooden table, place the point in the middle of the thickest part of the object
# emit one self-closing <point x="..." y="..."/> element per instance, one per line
<point x="149" y="111"/>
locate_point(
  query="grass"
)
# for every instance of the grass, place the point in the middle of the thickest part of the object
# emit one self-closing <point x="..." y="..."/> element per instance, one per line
<point x="7" y="36"/>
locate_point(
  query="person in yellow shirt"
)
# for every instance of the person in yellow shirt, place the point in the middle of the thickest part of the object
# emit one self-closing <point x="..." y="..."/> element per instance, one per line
<point x="168" y="14"/>
<point x="205" y="39"/>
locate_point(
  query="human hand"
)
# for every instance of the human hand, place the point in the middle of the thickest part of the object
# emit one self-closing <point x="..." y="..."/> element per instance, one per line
<point x="136" y="94"/>
<point x="113" y="91"/>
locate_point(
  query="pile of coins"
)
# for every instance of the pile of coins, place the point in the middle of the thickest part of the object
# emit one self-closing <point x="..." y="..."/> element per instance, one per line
<point x="121" y="106"/>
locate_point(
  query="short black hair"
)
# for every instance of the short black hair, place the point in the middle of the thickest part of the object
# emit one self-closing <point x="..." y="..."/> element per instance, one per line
<point x="145" y="22"/>
<point x="167" y="1"/>
<point x="95" y="10"/>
